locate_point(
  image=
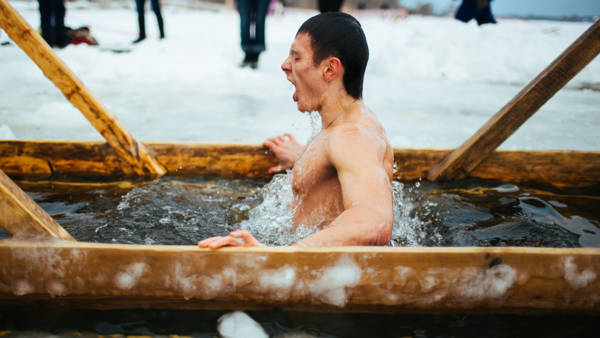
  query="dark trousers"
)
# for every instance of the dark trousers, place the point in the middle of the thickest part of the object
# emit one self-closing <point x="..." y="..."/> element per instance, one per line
<point x="253" y="13"/>
<point x="478" y="9"/>
<point x="330" y="5"/>
<point x="52" y="17"/>
<point x="155" y="4"/>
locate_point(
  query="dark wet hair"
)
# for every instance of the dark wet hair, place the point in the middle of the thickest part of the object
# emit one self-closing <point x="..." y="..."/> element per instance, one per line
<point x="340" y="35"/>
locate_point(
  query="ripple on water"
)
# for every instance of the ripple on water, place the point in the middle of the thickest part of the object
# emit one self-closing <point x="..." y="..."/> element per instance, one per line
<point x="462" y="213"/>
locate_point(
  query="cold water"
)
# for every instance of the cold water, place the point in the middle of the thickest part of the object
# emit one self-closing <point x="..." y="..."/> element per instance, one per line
<point x="177" y="210"/>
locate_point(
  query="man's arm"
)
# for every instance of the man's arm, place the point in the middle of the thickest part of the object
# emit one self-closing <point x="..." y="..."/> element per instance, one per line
<point x="358" y="156"/>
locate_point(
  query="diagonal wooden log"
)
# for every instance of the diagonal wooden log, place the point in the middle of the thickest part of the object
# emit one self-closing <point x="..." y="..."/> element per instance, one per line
<point x="21" y="216"/>
<point x="131" y="152"/>
<point x="459" y="163"/>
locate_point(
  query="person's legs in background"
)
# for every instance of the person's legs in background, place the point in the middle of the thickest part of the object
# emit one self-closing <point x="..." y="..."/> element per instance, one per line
<point x="139" y="5"/>
<point x="52" y="22"/>
<point x="259" y="44"/>
<point x="466" y="11"/>
<point x="484" y="12"/>
<point x="245" y="11"/>
<point x="45" y="19"/>
<point x="159" y="19"/>
<point x="58" y="9"/>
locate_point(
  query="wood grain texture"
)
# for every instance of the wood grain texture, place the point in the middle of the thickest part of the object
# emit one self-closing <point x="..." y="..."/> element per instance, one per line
<point x="21" y="216"/>
<point x="354" y="279"/>
<point x="460" y="162"/>
<point x="135" y="158"/>
<point x="60" y="160"/>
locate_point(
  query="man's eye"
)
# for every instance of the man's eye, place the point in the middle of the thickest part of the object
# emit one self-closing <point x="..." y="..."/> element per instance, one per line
<point x="296" y="59"/>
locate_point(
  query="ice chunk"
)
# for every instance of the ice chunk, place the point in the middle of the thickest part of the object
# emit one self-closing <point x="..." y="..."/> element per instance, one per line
<point x="239" y="325"/>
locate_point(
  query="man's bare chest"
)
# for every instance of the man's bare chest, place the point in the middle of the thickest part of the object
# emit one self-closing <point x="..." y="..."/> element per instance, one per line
<point x="312" y="169"/>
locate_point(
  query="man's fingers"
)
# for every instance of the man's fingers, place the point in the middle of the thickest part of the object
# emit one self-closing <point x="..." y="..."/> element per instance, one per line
<point x="219" y="242"/>
<point x="205" y="243"/>
<point x="225" y="241"/>
<point x="249" y="240"/>
<point x="290" y="137"/>
<point x="231" y="240"/>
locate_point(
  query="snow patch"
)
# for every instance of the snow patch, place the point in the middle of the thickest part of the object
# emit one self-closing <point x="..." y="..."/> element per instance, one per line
<point x="239" y="325"/>
<point x="56" y="288"/>
<point x="332" y="287"/>
<point x="491" y="283"/>
<point x="22" y="287"/>
<point x="575" y="279"/>
<point x="434" y="284"/>
<point x="128" y="279"/>
<point x="283" y="278"/>
<point x="211" y="286"/>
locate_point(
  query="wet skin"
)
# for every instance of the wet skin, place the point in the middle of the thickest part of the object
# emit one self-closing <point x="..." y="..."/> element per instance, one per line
<point x="342" y="178"/>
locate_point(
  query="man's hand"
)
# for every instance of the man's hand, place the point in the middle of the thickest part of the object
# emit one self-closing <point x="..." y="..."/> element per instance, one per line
<point x="286" y="149"/>
<point x="230" y="240"/>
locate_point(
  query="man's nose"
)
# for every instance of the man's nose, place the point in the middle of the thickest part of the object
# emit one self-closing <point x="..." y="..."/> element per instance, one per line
<point x="285" y="66"/>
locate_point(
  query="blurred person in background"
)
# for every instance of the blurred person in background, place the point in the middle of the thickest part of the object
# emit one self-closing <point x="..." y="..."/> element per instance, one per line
<point x="253" y="15"/>
<point x="330" y="5"/>
<point x="155" y="4"/>
<point x="52" y="17"/>
<point x="479" y="9"/>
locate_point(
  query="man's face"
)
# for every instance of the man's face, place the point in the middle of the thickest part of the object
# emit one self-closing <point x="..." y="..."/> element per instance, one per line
<point x="301" y="71"/>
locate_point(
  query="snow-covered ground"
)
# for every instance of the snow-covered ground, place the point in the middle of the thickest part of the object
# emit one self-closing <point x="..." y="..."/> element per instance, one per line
<point x="432" y="81"/>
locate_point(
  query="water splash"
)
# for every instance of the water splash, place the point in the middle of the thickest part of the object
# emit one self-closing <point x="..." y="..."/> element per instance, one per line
<point x="271" y="221"/>
<point x="409" y="228"/>
<point x="315" y="124"/>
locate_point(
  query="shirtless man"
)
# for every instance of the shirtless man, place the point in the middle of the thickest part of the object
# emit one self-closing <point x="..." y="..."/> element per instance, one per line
<point x="342" y="178"/>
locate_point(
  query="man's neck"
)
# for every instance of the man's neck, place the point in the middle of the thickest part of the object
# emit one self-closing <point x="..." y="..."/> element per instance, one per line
<point x="332" y="109"/>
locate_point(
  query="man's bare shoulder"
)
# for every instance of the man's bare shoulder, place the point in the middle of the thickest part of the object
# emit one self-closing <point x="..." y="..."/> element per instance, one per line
<point x="352" y="141"/>
<point x="364" y="129"/>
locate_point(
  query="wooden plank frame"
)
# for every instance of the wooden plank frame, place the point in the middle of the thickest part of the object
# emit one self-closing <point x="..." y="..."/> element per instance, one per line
<point x="346" y="279"/>
<point x="135" y="159"/>
<point x="52" y="160"/>
<point x="22" y="217"/>
<point x="350" y="279"/>
<point x="459" y="163"/>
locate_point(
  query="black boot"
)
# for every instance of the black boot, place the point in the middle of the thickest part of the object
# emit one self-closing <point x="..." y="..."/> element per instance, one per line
<point x="254" y="60"/>
<point x="161" y="26"/>
<point x="142" y="29"/>
<point x="250" y="60"/>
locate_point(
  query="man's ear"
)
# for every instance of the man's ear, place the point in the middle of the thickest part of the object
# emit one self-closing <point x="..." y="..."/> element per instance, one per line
<point x="332" y="68"/>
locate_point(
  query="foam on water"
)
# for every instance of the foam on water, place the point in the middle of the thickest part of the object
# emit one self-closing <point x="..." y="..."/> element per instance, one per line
<point x="271" y="221"/>
<point x="409" y="229"/>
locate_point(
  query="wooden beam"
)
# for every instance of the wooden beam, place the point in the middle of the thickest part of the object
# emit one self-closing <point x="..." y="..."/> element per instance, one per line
<point x="136" y="158"/>
<point x="21" y="216"/>
<point x="346" y="279"/>
<point x="470" y="154"/>
<point x="72" y="160"/>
